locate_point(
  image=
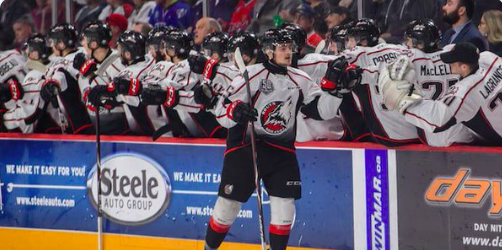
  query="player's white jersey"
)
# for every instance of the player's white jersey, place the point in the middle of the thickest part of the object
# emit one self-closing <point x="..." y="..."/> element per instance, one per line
<point x="71" y="113"/>
<point x="12" y="64"/>
<point x="112" y="121"/>
<point x="277" y="98"/>
<point x="23" y="116"/>
<point x="474" y="101"/>
<point x="315" y="65"/>
<point x="183" y="79"/>
<point x="434" y="78"/>
<point x="387" y="127"/>
<point x="158" y="72"/>
<point x="136" y="114"/>
<point x="374" y="56"/>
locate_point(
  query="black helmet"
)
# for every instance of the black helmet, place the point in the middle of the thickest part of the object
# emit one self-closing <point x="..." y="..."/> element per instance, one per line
<point x="134" y="43"/>
<point x="216" y="42"/>
<point x="64" y="32"/>
<point x="273" y="37"/>
<point x="158" y="34"/>
<point x="246" y="41"/>
<point x="37" y="42"/>
<point x="299" y="35"/>
<point x="426" y="32"/>
<point x="179" y="41"/>
<point x="364" y="29"/>
<point x="338" y="35"/>
<point x="99" y="32"/>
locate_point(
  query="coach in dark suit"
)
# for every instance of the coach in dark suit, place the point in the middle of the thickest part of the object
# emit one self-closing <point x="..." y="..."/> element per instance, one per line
<point x="458" y="13"/>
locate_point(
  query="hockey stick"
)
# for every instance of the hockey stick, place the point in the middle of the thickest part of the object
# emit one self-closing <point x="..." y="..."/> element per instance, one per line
<point x="244" y="72"/>
<point x="98" y="172"/>
<point x="320" y="47"/>
<point x="105" y="64"/>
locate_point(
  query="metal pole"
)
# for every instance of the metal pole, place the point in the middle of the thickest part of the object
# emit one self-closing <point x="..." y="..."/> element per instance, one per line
<point x="54" y="12"/>
<point x="68" y="10"/>
<point x="360" y="9"/>
<point x="205" y="8"/>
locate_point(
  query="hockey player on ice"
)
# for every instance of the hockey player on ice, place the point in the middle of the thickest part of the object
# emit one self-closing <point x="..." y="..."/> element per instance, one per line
<point x="25" y="114"/>
<point x="98" y="65"/>
<point x="61" y="89"/>
<point x="278" y="91"/>
<point x="433" y="78"/>
<point x="474" y="101"/>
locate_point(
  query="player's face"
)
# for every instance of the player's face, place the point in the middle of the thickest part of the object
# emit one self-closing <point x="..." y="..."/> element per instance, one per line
<point x="32" y="54"/>
<point x="350" y="42"/>
<point x="456" y="68"/>
<point x="283" y="54"/>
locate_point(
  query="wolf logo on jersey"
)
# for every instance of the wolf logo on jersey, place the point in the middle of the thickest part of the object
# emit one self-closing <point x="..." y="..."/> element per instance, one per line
<point x="275" y="116"/>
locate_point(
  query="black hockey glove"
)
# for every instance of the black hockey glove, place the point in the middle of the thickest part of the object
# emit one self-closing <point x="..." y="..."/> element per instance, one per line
<point x="241" y="112"/>
<point x="85" y="66"/>
<point x="205" y="95"/>
<point x="50" y="90"/>
<point x="168" y="98"/>
<point x="200" y="64"/>
<point x="340" y="77"/>
<point x="12" y="90"/>
<point x="100" y="96"/>
<point x="123" y="86"/>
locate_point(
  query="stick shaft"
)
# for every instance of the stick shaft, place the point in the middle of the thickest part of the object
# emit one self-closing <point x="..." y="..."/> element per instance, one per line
<point x="98" y="172"/>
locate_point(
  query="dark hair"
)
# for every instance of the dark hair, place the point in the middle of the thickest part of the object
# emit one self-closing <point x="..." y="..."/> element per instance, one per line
<point x="469" y="7"/>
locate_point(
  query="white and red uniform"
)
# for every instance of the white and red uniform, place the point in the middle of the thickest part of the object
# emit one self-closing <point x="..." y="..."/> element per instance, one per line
<point x="315" y="65"/>
<point x="112" y="122"/>
<point x="136" y="113"/>
<point x="277" y="98"/>
<point x="434" y="78"/>
<point x="25" y="113"/>
<point x="475" y="101"/>
<point x="71" y="116"/>
<point x="387" y="127"/>
<point x="12" y="65"/>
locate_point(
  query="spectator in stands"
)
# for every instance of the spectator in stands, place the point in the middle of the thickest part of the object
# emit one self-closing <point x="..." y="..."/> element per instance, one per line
<point x="118" y="24"/>
<point x="220" y="10"/>
<point x="338" y="16"/>
<point x="491" y="28"/>
<point x="10" y="10"/>
<point x="305" y="17"/>
<point x="391" y="16"/>
<point x="321" y="9"/>
<point x="143" y="28"/>
<point x="23" y="28"/>
<point x="266" y="10"/>
<point x="88" y="13"/>
<point x="242" y="16"/>
<point x="458" y="13"/>
<point x="204" y="27"/>
<point x="42" y="15"/>
<point x="172" y="13"/>
<point x="117" y="7"/>
<point x="141" y="13"/>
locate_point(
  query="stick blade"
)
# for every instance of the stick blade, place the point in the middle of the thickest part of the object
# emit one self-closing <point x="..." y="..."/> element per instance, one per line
<point x="240" y="61"/>
<point x="320" y="47"/>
